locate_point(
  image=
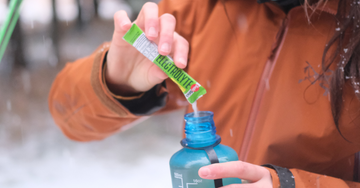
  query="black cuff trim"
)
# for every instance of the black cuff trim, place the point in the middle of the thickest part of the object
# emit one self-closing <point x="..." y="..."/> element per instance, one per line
<point x="262" y="1"/>
<point x="147" y="104"/>
<point x="282" y="2"/>
<point x="285" y="176"/>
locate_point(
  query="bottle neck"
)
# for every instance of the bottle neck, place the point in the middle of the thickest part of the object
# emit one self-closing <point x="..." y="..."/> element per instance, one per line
<point x="200" y="131"/>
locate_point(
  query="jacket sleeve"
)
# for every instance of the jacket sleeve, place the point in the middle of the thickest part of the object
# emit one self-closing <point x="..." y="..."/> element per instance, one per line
<point x="291" y="178"/>
<point x="305" y="179"/>
<point x="80" y="102"/>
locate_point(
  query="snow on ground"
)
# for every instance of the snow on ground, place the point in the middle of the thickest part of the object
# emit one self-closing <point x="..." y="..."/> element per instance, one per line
<point x="35" y="154"/>
<point x="41" y="157"/>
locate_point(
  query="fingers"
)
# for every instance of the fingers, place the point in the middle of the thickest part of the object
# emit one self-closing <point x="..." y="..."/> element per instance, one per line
<point x="250" y="185"/>
<point x="158" y="77"/>
<point x="236" y="169"/>
<point x="148" y="20"/>
<point x="259" y="184"/>
<point x="162" y="31"/>
<point x="157" y="28"/>
<point x="167" y="29"/>
<point x="122" y="22"/>
<point x="180" y="51"/>
<point x="242" y="186"/>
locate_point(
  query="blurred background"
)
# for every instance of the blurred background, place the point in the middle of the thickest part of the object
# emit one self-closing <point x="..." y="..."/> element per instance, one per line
<point x="33" y="151"/>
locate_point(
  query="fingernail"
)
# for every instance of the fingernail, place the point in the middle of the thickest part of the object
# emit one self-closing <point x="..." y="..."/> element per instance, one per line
<point x="182" y="61"/>
<point x="165" y="47"/>
<point x="123" y="24"/>
<point x="152" y="32"/>
<point x="204" y="172"/>
<point x="163" y="76"/>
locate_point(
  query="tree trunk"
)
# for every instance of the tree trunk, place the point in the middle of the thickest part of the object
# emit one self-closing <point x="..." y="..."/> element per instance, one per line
<point x="17" y="46"/>
<point x="79" y="22"/>
<point x="96" y="6"/>
<point x="55" y="31"/>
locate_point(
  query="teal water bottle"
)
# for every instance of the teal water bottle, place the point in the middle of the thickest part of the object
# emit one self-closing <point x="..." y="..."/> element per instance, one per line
<point x="201" y="147"/>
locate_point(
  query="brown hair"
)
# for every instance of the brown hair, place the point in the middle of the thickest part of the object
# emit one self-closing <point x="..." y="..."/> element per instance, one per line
<point x="346" y="42"/>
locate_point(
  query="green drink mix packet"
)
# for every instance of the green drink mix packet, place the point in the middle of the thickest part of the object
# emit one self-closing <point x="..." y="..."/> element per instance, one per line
<point x="191" y="89"/>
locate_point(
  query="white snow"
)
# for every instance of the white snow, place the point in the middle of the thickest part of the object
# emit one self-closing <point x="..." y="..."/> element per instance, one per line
<point x="135" y="158"/>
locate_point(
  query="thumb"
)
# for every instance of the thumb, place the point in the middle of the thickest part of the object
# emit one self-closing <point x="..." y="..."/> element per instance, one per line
<point x="122" y="24"/>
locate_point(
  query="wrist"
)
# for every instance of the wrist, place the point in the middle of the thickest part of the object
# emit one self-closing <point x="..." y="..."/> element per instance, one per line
<point x="115" y="86"/>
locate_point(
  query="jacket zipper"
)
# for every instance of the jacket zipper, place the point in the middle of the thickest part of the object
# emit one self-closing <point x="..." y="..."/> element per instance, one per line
<point x="262" y="85"/>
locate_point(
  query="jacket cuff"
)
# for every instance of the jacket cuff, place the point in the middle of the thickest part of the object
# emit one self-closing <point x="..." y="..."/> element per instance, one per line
<point x="104" y="67"/>
<point x="281" y="177"/>
<point x="100" y="88"/>
<point x="143" y="104"/>
<point x="275" y="178"/>
<point x="149" y="102"/>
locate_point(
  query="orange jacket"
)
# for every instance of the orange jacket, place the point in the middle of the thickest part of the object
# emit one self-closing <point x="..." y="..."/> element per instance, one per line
<point x="257" y="67"/>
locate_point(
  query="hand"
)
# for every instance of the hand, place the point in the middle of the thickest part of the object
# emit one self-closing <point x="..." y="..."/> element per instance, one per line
<point x="257" y="176"/>
<point x="128" y="71"/>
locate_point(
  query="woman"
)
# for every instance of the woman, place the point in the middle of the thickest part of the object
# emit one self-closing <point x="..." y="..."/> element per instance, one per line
<point x="282" y="81"/>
